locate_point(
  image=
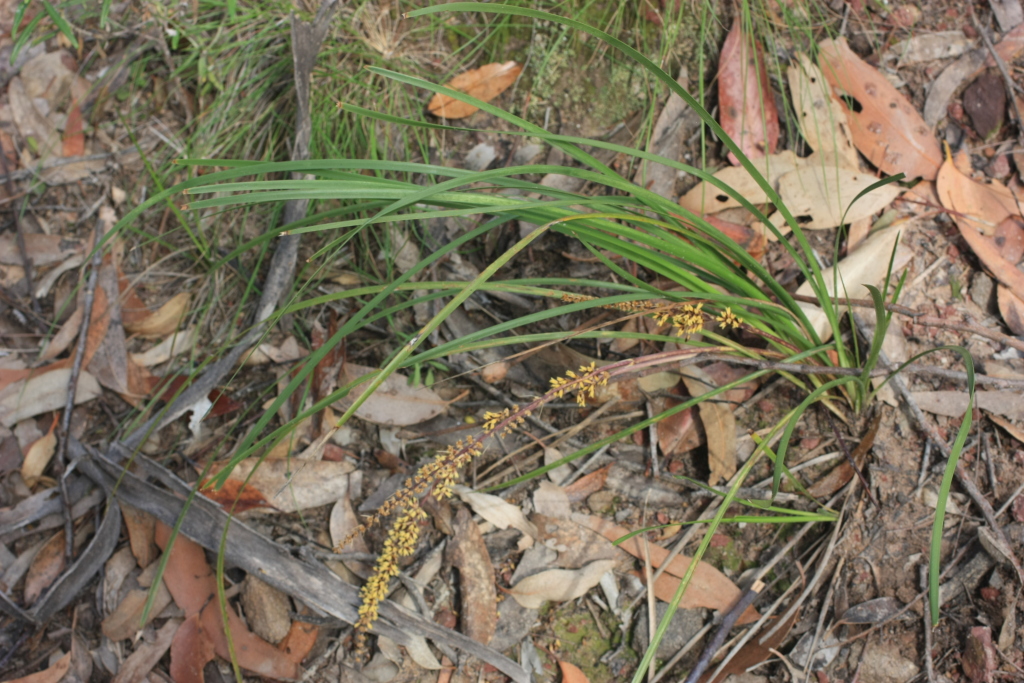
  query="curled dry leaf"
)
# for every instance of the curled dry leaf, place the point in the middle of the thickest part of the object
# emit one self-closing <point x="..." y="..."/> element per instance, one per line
<point x="719" y="425"/>
<point x="887" y="130"/>
<point x="163" y="321"/>
<point x="747" y="110"/>
<point x="484" y="83"/>
<point x="479" y="597"/>
<point x="982" y="206"/>
<point x="708" y="588"/>
<point x="38" y="455"/>
<point x="559" y="585"/>
<point x="395" y="403"/>
<point x="706" y="198"/>
<point x="177" y="343"/>
<point x="821" y="118"/>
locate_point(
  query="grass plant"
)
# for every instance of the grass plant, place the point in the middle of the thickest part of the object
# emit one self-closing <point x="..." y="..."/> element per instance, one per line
<point x="370" y="176"/>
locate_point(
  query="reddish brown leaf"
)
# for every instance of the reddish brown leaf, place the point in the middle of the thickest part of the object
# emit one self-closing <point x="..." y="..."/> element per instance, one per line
<point x="191" y="649"/>
<point x="141" y="531"/>
<point x="192" y="583"/>
<point x="888" y="130"/>
<point x="74" y="138"/>
<point x="476" y="579"/>
<point x="1009" y="239"/>
<point x="45" y="568"/>
<point x="300" y="641"/>
<point x="754" y="652"/>
<point x="572" y="673"/>
<point x="746" y="105"/>
<point x="587" y="484"/>
<point x="982" y="206"/>
<point x="484" y="83"/>
<point x="708" y="588"/>
<point x="1011" y="307"/>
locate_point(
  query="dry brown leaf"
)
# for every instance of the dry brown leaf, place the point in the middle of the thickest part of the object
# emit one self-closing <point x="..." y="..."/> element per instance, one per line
<point x="42" y="393"/>
<point x="980" y="205"/>
<point x="38" y="455"/>
<point x="74" y="138"/>
<point x="497" y="511"/>
<point x="559" y="585"/>
<point x="479" y="597"/>
<point x="44" y="136"/>
<point x="822" y="195"/>
<point x="1011" y="429"/>
<point x="177" y="343"/>
<point x="753" y="653"/>
<point x="705" y="198"/>
<point x="191" y="649"/>
<point x="125" y="622"/>
<point x="988" y="253"/>
<point x="719" y="425"/>
<point x="45" y="568"/>
<point x="484" y="83"/>
<point x="674" y="125"/>
<point x="551" y="500"/>
<point x="300" y="641"/>
<point x="44" y="250"/>
<point x="287" y="485"/>
<point x="1011" y="307"/>
<point x="588" y="484"/>
<point x="1009" y="238"/>
<point x="192" y="583"/>
<point x="708" y="588"/>
<point x="53" y="674"/>
<point x="395" y="403"/>
<point x="343" y="522"/>
<point x="572" y="673"/>
<point x="141" y="530"/>
<point x="888" y="130"/>
<point x="747" y="110"/>
<point x="147" y="654"/>
<point x="1007" y="403"/>
<point x="163" y="321"/>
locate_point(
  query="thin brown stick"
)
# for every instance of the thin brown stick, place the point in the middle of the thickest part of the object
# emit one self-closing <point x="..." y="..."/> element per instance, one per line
<point x="973" y="328"/>
<point x="860" y="303"/>
<point x="60" y="460"/>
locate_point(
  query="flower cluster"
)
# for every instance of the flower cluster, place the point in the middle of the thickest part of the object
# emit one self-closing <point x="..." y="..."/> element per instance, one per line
<point x="688" y="320"/>
<point x="584" y="384"/>
<point x="511" y="417"/>
<point x="728" y="320"/>
<point x="624" y="306"/>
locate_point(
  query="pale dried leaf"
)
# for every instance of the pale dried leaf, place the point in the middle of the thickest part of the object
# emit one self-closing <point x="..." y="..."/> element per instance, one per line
<point x="32" y="125"/>
<point x="42" y="393"/>
<point x="484" y="83"/>
<point x="706" y="198"/>
<point x="928" y="47"/>
<point x="551" y="500"/>
<point x="821" y="118"/>
<point x="178" y="343"/>
<point x="164" y="320"/>
<point x="125" y="622"/>
<point x="141" y="528"/>
<point x="823" y="195"/>
<point x="560" y="473"/>
<point x="44" y="250"/>
<point x="147" y="654"/>
<point x="866" y="265"/>
<point x="67" y="333"/>
<point x="343" y="521"/>
<point x="38" y="456"/>
<point x="979" y="205"/>
<point x="395" y="403"/>
<point x="559" y="585"/>
<point x="497" y="511"/>
<point x="53" y="674"/>
<point x="954" y="403"/>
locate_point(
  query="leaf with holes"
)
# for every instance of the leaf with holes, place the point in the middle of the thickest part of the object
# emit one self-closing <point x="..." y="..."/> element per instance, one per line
<point x="886" y="128"/>
<point x="821" y="118"/>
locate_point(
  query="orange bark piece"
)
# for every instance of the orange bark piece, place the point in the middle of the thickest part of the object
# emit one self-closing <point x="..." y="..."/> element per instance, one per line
<point x="708" y="588"/>
<point x="888" y="130"/>
<point x="484" y="83"/>
<point x="747" y="110"/>
<point x="193" y="585"/>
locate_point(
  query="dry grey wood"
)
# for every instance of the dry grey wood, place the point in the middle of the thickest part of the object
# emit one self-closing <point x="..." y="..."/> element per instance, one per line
<point x="310" y="582"/>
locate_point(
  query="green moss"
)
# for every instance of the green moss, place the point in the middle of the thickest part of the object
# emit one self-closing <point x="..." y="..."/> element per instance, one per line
<point x="580" y="642"/>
